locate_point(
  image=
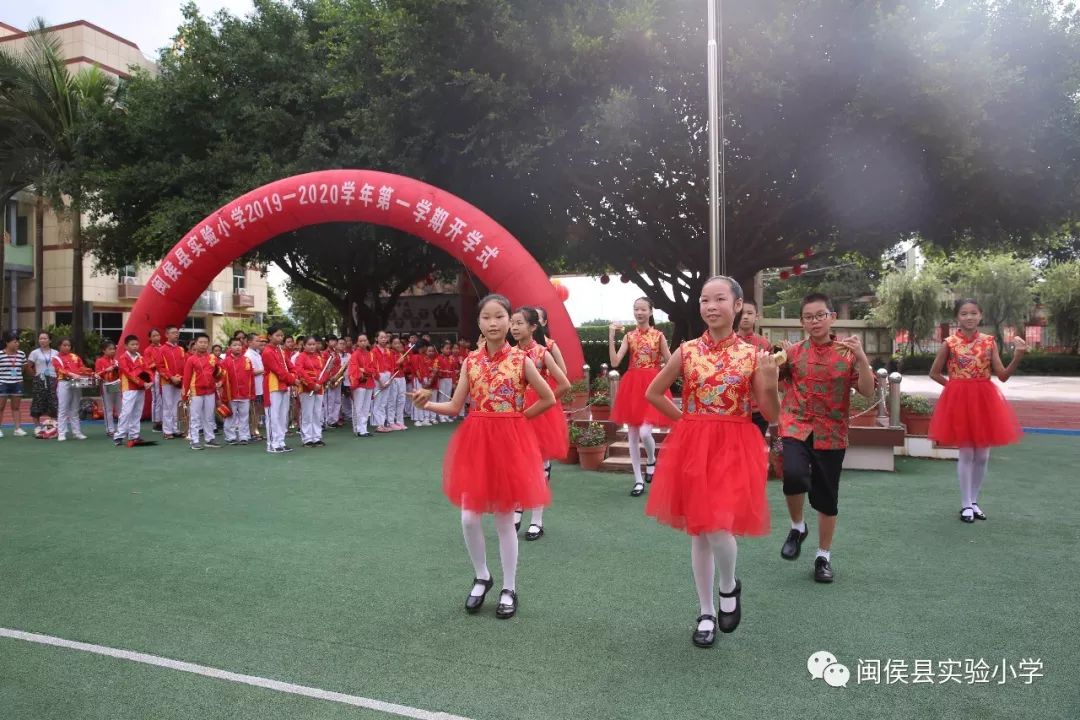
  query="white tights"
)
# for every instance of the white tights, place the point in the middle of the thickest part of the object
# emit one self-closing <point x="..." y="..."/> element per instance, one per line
<point x="711" y="553"/>
<point x="971" y="471"/>
<point x="636" y="436"/>
<point x="473" y="529"/>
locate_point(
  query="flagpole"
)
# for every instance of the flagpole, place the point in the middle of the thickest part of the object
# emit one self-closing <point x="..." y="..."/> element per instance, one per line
<point x="717" y="224"/>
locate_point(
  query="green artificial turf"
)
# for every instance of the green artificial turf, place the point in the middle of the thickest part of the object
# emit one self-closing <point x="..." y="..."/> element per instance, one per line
<point x="343" y="568"/>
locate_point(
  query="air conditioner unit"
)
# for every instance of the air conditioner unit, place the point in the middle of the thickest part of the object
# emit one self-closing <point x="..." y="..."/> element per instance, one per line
<point x="128" y="280"/>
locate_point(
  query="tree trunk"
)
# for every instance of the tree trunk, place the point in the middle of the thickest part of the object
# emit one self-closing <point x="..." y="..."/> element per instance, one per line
<point x="78" y="331"/>
<point x="39" y="263"/>
<point x="3" y="249"/>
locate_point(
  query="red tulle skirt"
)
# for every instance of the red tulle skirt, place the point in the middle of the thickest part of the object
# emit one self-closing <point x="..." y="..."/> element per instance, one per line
<point x="974" y="413"/>
<point x="631" y="407"/>
<point x="549" y="427"/>
<point x="711" y="476"/>
<point x="493" y="464"/>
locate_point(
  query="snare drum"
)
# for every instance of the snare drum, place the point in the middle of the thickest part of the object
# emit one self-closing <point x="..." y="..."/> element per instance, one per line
<point x="112" y="387"/>
<point x="84" y="383"/>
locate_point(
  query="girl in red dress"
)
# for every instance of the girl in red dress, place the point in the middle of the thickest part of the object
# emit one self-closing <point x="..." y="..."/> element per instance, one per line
<point x="648" y="350"/>
<point x="549" y="427"/>
<point x="971" y="412"/>
<point x="493" y="462"/>
<point x="711" y="481"/>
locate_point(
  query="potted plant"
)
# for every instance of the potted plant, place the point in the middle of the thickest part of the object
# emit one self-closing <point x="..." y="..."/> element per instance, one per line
<point x="857" y="411"/>
<point x="915" y="412"/>
<point x="579" y="394"/>
<point x="592" y="444"/>
<point x="600" y="406"/>
<point x="572" y="454"/>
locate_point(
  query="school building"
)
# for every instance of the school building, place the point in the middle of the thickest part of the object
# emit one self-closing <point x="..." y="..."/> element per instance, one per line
<point x="38" y="257"/>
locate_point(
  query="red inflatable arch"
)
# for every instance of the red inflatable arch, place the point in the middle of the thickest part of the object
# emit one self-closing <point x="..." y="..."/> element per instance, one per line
<point x="439" y="218"/>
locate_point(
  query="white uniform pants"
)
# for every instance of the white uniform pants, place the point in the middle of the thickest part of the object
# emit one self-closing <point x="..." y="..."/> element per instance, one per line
<point x="361" y="404"/>
<point x="130" y="414"/>
<point x="155" y="400"/>
<point x="381" y="399"/>
<point x="201" y="417"/>
<point x="398" y="386"/>
<point x="277" y="419"/>
<point x="332" y="405"/>
<point x="67" y="406"/>
<point x="110" y="406"/>
<point x="446" y="392"/>
<point x="238" y="425"/>
<point x="170" y="398"/>
<point x="311" y="417"/>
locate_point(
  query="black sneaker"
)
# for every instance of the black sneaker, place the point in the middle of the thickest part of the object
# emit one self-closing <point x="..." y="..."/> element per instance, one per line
<point x="157" y="427"/>
<point x="196" y="446"/>
<point x="212" y="444"/>
<point x="822" y="570"/>
<point x="118" y="442"/>
<point x="232" y="442"/>
<point x="319" y="443"/>
<point x="309" y="444"/>
<point x="243" y="442"/>
<point x="285" y="449"/>
<point x="793" y="544"/>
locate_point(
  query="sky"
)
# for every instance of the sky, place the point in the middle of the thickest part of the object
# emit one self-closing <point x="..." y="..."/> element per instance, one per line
<point x="151" y="24"/>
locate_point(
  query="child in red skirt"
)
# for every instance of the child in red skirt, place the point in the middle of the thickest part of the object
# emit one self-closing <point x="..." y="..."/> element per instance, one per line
<point x="971" y="412"/>
<point x="493" y="462"/>
<point x="549" y="427"/>
<point x="648" y="350"/>
<point x="711" y="481"/>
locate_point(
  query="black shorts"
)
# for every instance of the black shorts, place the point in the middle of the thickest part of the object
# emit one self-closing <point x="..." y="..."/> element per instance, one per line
<point x="759" y="420"/>
<point x="816" y="472"/>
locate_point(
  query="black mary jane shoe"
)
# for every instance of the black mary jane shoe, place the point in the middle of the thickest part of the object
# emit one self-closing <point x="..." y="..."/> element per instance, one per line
<point x="650" y="469"/>
<point x="473" y="603"/>
<point x="536" y="534"/>
<point x="979" y="514"/>
<point x="505" y="611"/>
<point x="967" y="518"/>
<point x="705" y="638"/>
<point x="728" y="621"/>
<point x="518" y="514"/>
<point x="639" y="489"/>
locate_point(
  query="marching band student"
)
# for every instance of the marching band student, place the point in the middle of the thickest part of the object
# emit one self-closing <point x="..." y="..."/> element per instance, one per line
<point x="201" y="373"/>
<point x="446" y="369"/>
<point x="493" y="462"/>
<point x="312" y="369"/>
<point x="345" y="349"/>
<point x="134" y="377"/>
<point x="107" y="370"/>
<point x="277" y="381"/>
<point x="384" y="365"/>
<point x="152" y="358"/>
<point x="171" y="358"/>
<point x="408" y="372"/>
<point x="362" y="372"/>
<point x="331" y="411"/>
<point x="69" y="366"/>
<point x="396" y="403"/>
<point x="710" y="482"/>
<point x="240" y="390"/>
<point x="254" y="354"/>
<point x="423" y="379"/>
<point x="218" y="352"/>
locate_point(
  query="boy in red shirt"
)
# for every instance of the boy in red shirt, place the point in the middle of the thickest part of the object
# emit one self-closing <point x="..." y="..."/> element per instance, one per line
<point x="747" y="333"/>
<point x="240" y="389"/>
<point x="152" y="358"/>
<point x="134" y="378"/>
<point x="107" y="371"/>
<point x="446" y="372"/>
<point x="312" y="369"/>
<point x="384" y="367"/>
<point x="362" y="372"/>
<point x="813" y="424"/>
<point x="170" y="369"/>
<point x="201" y="384"/>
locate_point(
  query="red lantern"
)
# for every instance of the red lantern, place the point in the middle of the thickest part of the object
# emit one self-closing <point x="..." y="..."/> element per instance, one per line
<point x="429" y="280"/>
<point x="784" y="274"/>
<point x="808" y="253"/>
<point x="625" y="278"/>
<point x="604" y="279"/>
<point x="633" y="265"/>
<point x="797" y="270"/>
<point x="562" y="291"/>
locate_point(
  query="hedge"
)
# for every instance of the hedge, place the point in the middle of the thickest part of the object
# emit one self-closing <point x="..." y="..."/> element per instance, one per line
<point x="1034" y="363"/>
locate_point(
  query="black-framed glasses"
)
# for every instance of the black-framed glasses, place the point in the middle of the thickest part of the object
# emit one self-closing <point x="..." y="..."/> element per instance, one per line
<point x="816" y="317"/>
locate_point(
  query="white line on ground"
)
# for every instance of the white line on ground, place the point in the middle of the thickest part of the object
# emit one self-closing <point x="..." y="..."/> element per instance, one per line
<point x="254" y="680"/>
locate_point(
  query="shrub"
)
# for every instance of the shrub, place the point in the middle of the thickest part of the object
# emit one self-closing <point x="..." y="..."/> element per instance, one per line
<point x="916" y="404"/>
<point x="592" y="435"/>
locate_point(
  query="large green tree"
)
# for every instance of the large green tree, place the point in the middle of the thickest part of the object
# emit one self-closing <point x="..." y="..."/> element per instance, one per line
<point x="581" y="128"/>
<point x="49" y="116"/>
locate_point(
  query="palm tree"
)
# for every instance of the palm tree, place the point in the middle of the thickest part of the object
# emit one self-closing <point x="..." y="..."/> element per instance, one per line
<point x="49" y="111"/>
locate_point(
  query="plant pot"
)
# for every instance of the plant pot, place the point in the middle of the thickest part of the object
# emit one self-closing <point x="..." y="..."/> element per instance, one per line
<point x="581" y="399"/>
<point x="916" y="424"/>
<point x="600" y="412"/>
<point x="868" y="420"/>
<point x="571" y="456"/>
<point x="592" y="457"/>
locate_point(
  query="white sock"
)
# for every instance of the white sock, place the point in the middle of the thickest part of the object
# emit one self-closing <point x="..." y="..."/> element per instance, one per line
<point x="508" y="548"/>
<point x="825" y="554"/>
<point x="650" y="443"/>
<point x="537" y="517"/>
<point x="979" y="463"/>
<point x="800" y="526"/>
<point x="725" y="550"/>
<point x="964" y="466"/>
<point x="472" y="528"/>
<point x="701" y="560"/>
<point x="633" y="435"/>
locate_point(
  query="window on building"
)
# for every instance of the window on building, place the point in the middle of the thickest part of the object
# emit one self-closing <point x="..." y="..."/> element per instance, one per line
<point x="22" y="231"/>
<point x="239" y="279"/>
<point x="128" y="274"/>
<point x="109" y="325"/>
<point x="190" y="328"/>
